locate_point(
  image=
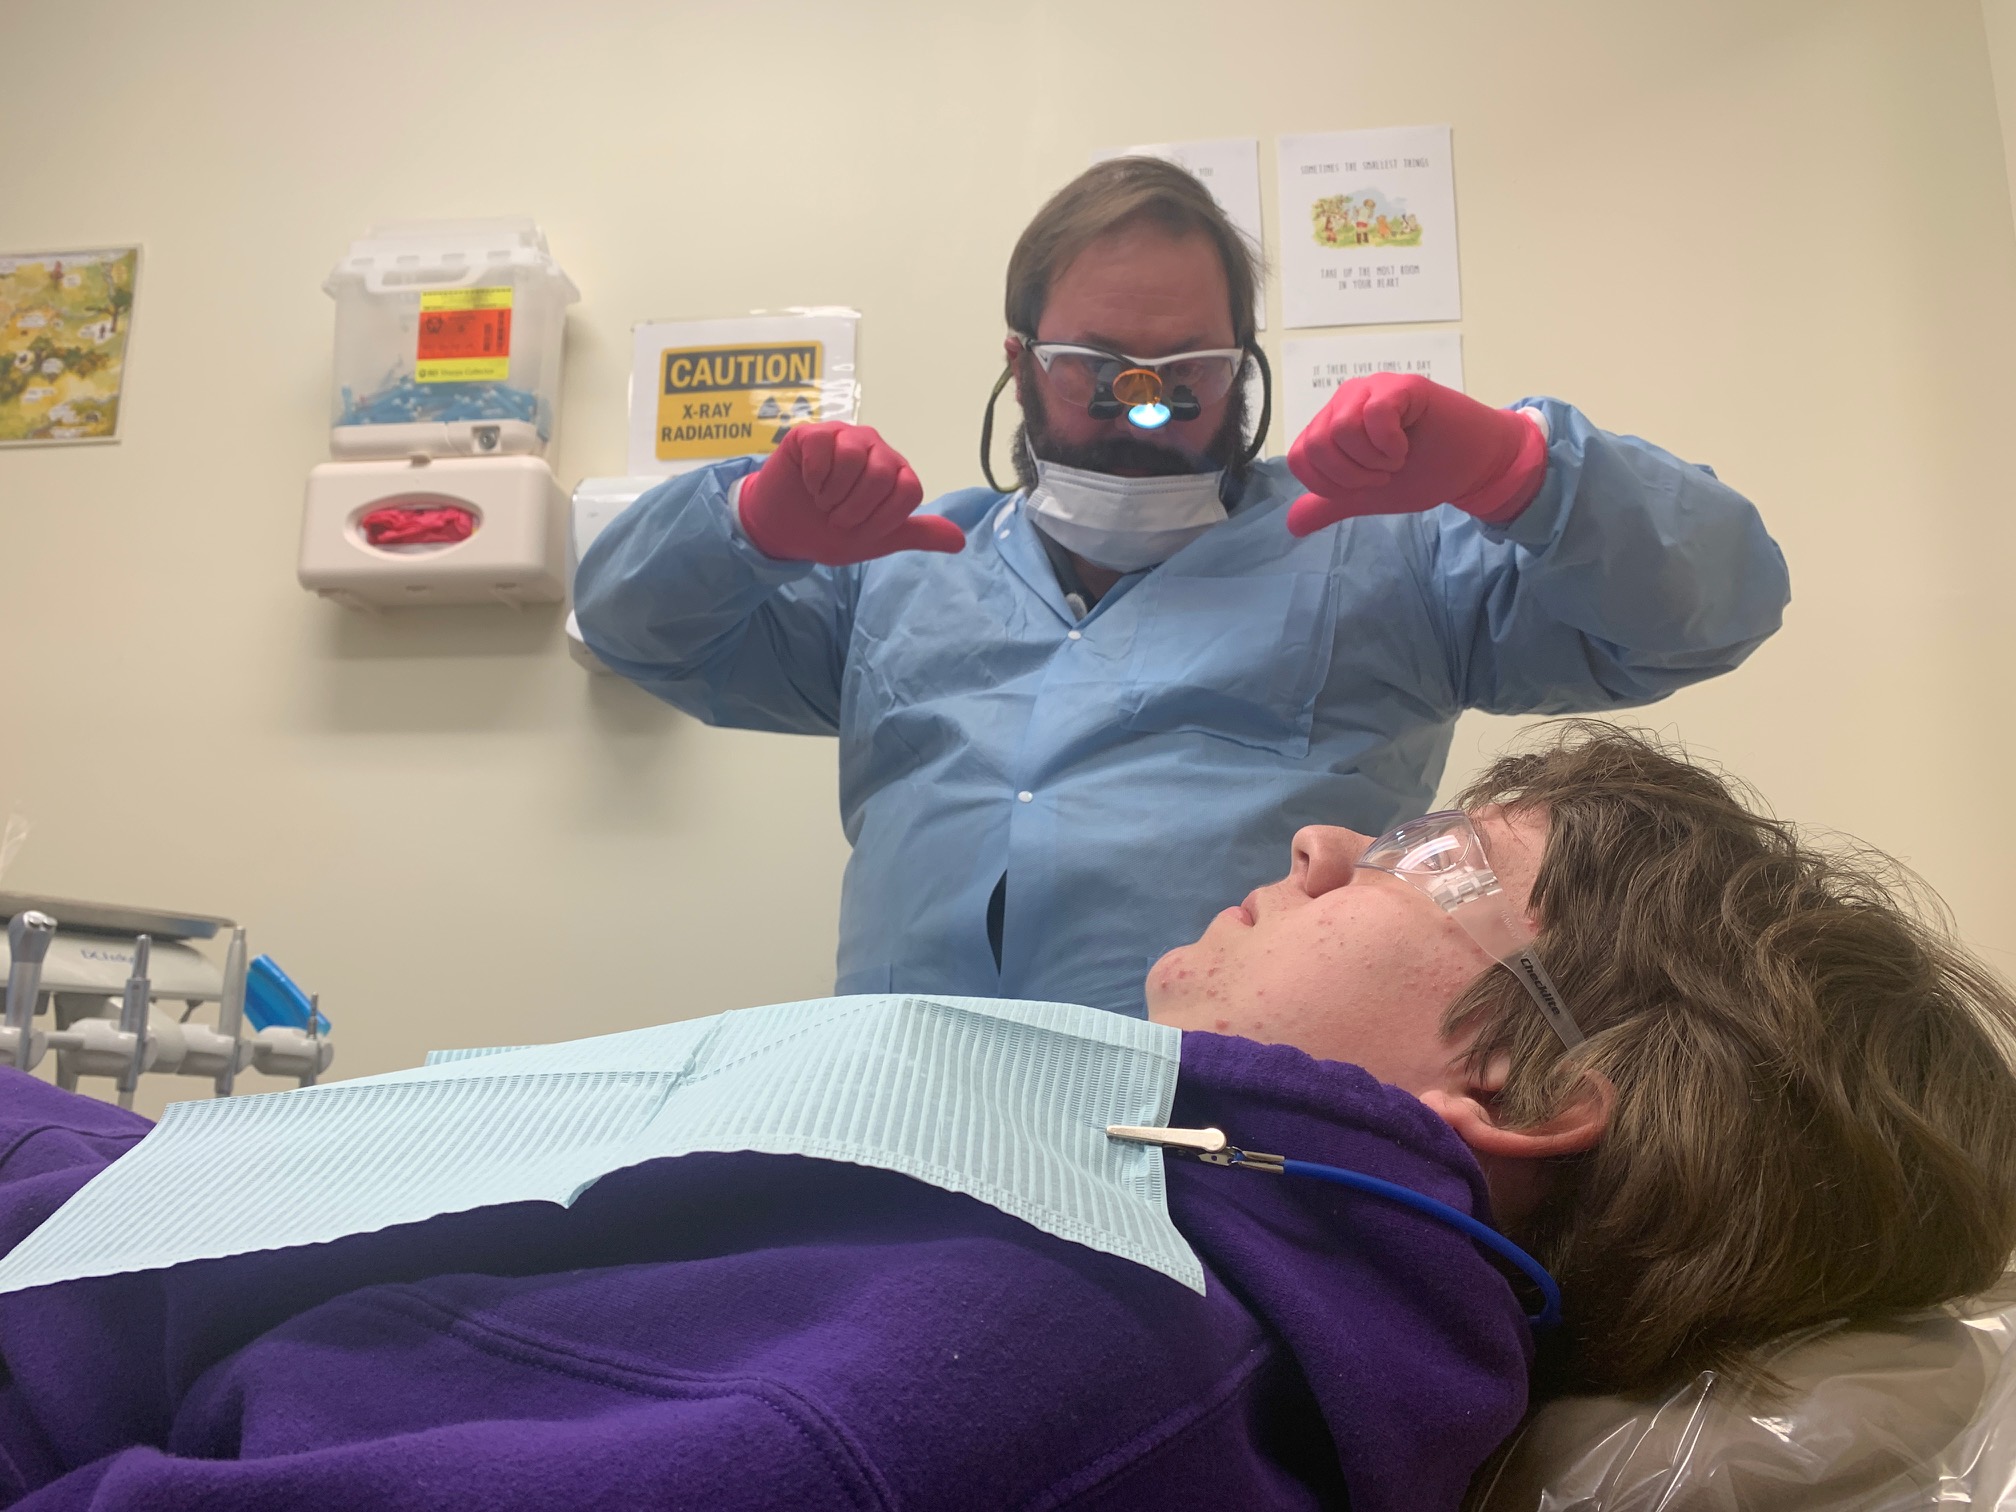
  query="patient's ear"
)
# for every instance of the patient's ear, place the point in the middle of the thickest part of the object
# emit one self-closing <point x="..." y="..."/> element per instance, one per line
<point x="1470" y="1107"/>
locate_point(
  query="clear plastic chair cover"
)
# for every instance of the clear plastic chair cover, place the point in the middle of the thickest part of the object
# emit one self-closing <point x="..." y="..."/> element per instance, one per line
<point x="1915" y="1413"/>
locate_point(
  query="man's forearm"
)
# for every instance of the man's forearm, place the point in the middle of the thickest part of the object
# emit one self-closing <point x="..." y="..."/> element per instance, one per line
<point x="674" y="596"/>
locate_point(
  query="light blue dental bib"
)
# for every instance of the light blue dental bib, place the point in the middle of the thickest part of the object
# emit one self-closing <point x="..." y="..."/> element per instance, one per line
<point x="1004" y="1101"/>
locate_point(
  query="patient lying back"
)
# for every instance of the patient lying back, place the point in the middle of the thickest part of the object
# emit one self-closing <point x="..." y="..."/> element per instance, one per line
<point x="1790" y="1102"/>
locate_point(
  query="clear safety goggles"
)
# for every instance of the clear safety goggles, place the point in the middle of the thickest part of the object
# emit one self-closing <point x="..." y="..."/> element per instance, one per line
<point x="1441" y="855"/>
<point x="1080" y="373"/>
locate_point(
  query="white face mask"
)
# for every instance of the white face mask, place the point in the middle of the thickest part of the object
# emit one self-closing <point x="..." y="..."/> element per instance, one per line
<point x="1123" y="524"/>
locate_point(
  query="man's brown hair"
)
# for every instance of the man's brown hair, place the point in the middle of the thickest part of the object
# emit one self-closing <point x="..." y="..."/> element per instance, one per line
<point x="1108" y="197"/>
<point x="1815" y="1107"/>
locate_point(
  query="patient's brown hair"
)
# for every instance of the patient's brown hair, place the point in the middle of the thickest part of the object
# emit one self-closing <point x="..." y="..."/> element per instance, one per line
<point x="1816" y="1112"/>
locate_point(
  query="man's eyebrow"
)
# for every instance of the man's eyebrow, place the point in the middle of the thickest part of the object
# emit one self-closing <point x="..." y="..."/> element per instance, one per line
<point x="1113" y="345"/>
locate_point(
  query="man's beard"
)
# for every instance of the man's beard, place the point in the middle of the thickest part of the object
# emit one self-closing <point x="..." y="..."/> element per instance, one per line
<point x="1128" y="451"/>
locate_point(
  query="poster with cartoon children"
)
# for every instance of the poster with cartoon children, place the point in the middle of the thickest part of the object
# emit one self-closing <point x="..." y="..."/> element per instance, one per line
<point x="64" y="320"/>
<point x="1368" y="227"/>
<point x="1363" y="218"/>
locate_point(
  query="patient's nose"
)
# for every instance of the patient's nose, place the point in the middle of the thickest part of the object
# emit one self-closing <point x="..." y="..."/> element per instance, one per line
<point x="1325" y="857"/>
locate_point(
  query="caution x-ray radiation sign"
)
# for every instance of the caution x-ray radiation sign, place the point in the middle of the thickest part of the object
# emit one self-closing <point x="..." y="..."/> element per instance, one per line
<point x="730" y="400"/>
<point x="707" y="390"/>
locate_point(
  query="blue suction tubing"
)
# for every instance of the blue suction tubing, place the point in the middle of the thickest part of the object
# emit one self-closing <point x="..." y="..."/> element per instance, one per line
<point x="1549" y="1315"/>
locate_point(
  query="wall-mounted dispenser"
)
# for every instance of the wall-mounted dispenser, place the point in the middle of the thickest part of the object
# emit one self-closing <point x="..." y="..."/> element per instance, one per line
<point x="448" y="338"/>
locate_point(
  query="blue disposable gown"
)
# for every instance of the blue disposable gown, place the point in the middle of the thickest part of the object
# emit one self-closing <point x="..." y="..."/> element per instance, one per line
<point x="1136" y="771"/>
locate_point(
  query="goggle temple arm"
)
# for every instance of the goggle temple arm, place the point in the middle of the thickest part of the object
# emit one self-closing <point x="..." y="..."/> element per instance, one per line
<point x="1525" y="965"/>
<point x="1488" y="920"/>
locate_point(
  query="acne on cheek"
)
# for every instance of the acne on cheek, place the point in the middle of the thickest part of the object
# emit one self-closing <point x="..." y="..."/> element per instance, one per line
<point x="1442" y="982"/>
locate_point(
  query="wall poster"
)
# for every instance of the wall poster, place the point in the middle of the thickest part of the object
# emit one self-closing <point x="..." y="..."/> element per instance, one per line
<point x="64" y="321"/>
<point x="1368" y="227"/>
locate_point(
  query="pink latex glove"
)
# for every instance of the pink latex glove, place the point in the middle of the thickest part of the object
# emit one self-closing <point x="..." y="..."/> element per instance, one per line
<point x="836" y="494"/>
<point x="1396" y="443"/>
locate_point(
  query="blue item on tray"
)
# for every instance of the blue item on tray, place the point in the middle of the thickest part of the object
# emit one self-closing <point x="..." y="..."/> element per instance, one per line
<point x="271" y="997"/>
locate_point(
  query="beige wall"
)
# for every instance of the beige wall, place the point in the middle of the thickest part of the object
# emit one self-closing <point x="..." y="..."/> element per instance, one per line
<point x="1775" y="237"/>
<point x="1999" y="17"/>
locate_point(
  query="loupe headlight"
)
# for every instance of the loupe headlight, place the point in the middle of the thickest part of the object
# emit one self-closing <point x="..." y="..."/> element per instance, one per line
<point x="1138" y="393"/>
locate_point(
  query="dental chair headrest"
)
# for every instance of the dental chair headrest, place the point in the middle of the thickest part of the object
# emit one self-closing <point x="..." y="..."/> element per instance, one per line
<point x="1889" y="1417"/>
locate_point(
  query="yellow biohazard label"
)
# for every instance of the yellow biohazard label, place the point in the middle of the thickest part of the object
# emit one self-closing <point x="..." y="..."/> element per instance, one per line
<point x="465" y="336"/>
<point x="735" y="401"/>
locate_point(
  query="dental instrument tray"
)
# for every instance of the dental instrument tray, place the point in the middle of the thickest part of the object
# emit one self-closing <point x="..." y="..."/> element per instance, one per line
<point x="96" y="984"/>
<point x="115" y="918"/>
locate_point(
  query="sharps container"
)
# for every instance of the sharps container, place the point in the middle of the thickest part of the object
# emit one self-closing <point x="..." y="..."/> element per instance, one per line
<point x="448" y="341"/>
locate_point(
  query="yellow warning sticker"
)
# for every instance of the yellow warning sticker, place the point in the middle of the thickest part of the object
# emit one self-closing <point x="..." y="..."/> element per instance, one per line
<point x="465" y="336"/>
<point x="734" y="401"/>
<point x="466" y="299"/>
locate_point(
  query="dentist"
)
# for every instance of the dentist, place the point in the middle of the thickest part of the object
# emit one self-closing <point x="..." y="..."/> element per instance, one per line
<point x="1071" y="714"/>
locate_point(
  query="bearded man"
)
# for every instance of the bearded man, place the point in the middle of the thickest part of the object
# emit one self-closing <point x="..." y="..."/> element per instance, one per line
<point x="1071" y="714"/>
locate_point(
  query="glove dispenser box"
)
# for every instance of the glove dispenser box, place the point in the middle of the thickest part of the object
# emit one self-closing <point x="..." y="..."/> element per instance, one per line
<point x="378" y="535"/>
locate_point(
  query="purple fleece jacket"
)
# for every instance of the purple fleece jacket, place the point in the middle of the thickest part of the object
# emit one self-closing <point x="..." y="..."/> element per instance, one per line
<point x="742" y="1332"/>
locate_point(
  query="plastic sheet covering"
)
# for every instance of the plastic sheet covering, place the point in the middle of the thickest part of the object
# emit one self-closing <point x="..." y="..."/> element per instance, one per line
<point x="1919" y="1412"/>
